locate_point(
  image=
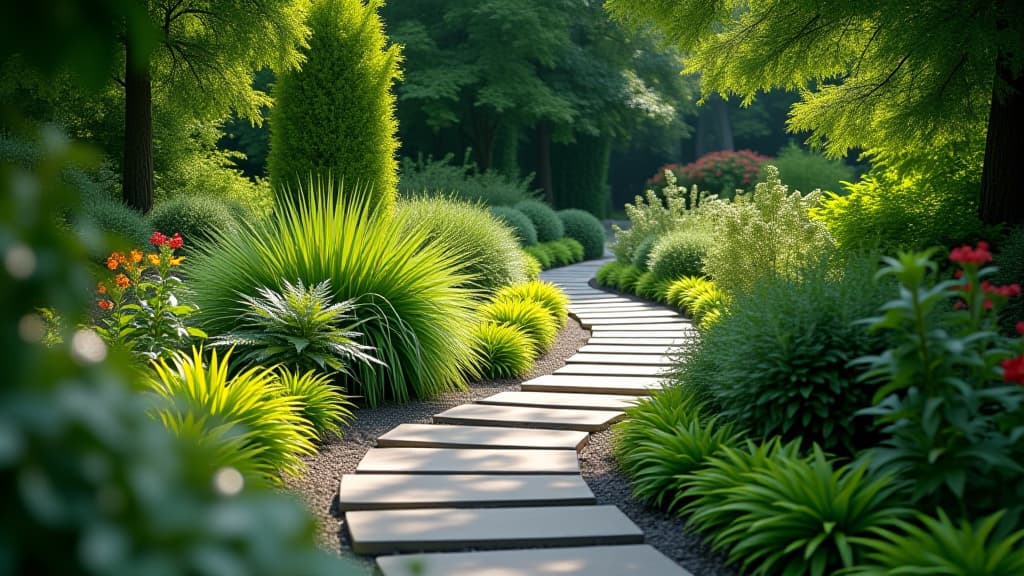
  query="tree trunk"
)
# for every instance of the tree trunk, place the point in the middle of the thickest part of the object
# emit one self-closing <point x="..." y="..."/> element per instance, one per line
<point x="544" y="161"/>
<point x="485" y="131"/>
<point x="137" y="168"/>
<point x="1001" y="199"/>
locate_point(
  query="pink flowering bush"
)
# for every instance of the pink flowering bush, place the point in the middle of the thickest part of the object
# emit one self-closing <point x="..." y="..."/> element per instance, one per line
<point x="719" y="172"/>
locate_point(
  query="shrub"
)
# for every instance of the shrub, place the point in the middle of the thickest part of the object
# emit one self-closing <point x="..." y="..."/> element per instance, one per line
<point x="664" y="437"/>
<point x="533" y="267"/>
<point x="650" y="216"/>
<point x="790" y="515"/>
<point x="698" y="297"/>
<point x="542" y="254"/>
<point x="648" y="286"/>
<point x="524" y="229"/>
<point x="561" y="253"/>
<point x="505" y="350"/>
<point x="783" y="353"/>
<point x="642" y="254"/>
<point x="938" y="546"/>
<point x="586" y="229"/>
<point x="488" y="249"/>
<point x="544" y="293"/>
<point x="113" y="217"/>
<point x="411" y="306"/>
<point x="575" y="249"/>
<point x="723" y="172"/>
<point x="808" y="171"/>
<point x="529" y="316"/>
<point x="607" y="274"/>
<point x="763" y="236"/>
<point x="677" y="254"/>
<point x="1010" y="261"/>
<point x="269" y="429"/>
<point x="300" y="327"/>
<point x="626" y="279"/>
<point x="335" y="116"/>
<point x="443" y="177"/>
<point x="194" y="217"/>
<point x="212" y="174"/>
<point x="545" y="220"/>
<point x="322" y="405"/>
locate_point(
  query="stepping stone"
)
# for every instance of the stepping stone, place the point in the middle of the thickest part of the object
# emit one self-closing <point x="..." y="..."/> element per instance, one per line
<point x="625" y="349"/>
<point x="639" y="341"/>
<point x="443" y="436"/>
<point x="649" y="322"/>
<point x="467" y="461"/>
<point x="604" y="300"/>
<point x="638" y="359"/>
<point x="528" y="417"/>
<point x="626" y="560"/>
<point x="398" y="491"/>
<point x="637" y="316"/>
<point x="431" y="530"/>
<point x="661" y="330"/>
<point x="624" y="385"/>
<point x="611" y="370"/>
<point x="623" y="307"/>
<point x="561" y="400"/>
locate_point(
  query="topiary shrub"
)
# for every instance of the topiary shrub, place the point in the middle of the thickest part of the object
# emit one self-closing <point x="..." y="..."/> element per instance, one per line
<point x="586" y="229"/>
<point x="524" y="229"/>
<point x="487" y="248"/>
<point x="677" y="254"/>
<point x="505" y="350"/>
<point x="544" y="293"/>
<point x="545" y="220"/>
<point x="529" y="316"/>
<point x="335" y="116"/>
<point x="196" y="218"/>
<point x="807" y="171"/>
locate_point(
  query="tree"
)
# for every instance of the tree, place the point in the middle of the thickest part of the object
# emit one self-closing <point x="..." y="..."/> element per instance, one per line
<point x="882" y="74"/>
<point x="336" y="114"/>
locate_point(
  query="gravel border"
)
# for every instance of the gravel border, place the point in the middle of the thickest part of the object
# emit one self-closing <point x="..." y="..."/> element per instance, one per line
<point x="318" y="487"/>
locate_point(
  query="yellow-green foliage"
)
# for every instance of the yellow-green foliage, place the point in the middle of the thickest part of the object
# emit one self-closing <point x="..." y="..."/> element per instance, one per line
<point x="336" y="114"/>
<point x="532" y="266"/>
<point x="529" y="316"/>
<point x="698" y="297"/>
<point x="607" y="275"/>
<point x="505" y="350"/>
<point x="650" y="216"/>
<point x="544" y="293"/>
<point x="767" y="235"/>
<point x="627" y="279"/>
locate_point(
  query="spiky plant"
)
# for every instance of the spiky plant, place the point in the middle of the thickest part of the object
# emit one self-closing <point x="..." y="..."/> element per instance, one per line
<point x="505" y="350"/>
<point x="321" y="403"/>
<point x="531" y="317"/>
<point x="544" y="293"/>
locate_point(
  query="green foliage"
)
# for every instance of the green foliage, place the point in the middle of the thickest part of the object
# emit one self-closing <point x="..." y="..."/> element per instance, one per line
<point x="642" y="254"/>
<point x="764" y="236"/>
<point x="266" y="428"/>
<point x="322" y="405"/>
<point x="525" y="231"/>
<point x="545" y="220"/>
<point x="651" y="287"/>
<point x="580" y="174"/>
<point x="651" y="216"/>
<point x="700" y="298"/>
<point x="575" y="249"/>
<point x="1010" y="262"/>
<point x="777" y="513"/>
<point x="608" y="273"/>
<point x="664" y="437"/>
<point x="113" y="217"/>
<point x="335" y="116"/>
<point x="300" y="327"/>
<point x="529" y="316"/>
<point x="542" y="254"/>
<point x="505" y="350"/>
<point x="938" y="546"/>
<point x="411" y="305"/>
<point x="443" y="177"/>
<point x="949" y="402"/>
<point x="677" y="254"/>
<point x="544" y="293"/>
<point x="211" y="175"/>
<point x="626" y="279"/>
<point x="723" y="172"/>
<point x="194" y="217"/>
<point x="488" y="249"/>
<point x="561" y="254"/>
<point x="533" y="267"/>
<point x="807" y="171"/>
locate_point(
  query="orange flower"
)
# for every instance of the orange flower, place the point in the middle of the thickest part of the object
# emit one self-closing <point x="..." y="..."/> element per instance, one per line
<point x="154" y="259"/>
<point x="122" y="281"/>
<point x="105" y="304"/>
<point x="136" y="256"/>
<point x="176" y="261"/>
<point x="101" y="288"/>
<point x="112" y="262"/>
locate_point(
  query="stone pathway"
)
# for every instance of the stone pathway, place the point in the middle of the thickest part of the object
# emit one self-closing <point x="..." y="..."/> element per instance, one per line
<point x="493" y="488"/>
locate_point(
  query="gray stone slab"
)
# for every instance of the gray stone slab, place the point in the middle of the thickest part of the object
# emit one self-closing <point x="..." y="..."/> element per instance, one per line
<point x="627" y="349"/>
<point x="638" y="359"/>
<point x="661" y="330"/>
<point x="646" y="322"/>
<point x="639" y="342"/>
<point x="398" y="491"/>
<point x="467" y="461"/>
<point x="611" y="370"/>
<point x="624" y="385"/>
<point x="528" y="417"/>
<point x="623" y="307"/>
<point x="603" y="299"/>
<point x="645" y="315"/>
<point x="433" y="530"/>
<point x="561" y="400"/>
<point x="445" y="436"/>
<point x="623" y="560"/>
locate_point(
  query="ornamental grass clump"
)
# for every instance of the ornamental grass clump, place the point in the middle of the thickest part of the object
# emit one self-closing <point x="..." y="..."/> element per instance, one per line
<point x="544" y="293"/>
<point x="319" y="401"/>
<point x="410" y="295"/>
<point x="505" y="350"/>
<point x="529" y="316"/>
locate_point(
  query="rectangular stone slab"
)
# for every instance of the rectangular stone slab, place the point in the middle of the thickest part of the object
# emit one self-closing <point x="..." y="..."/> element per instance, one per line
<point x="623" y="307"/>
<point x="680" y="330"/>
<point x="445" y="436"/>
<point x="467" y="461"/>
<point x="638" y="359"/>
<point x="528" y="417"/>
<point x="432" y="530"/>
<point x="639" y="342"/>
<point x="645" y="315"/>
<point x="654" y="322"/>
<point x="624" y="560"/>
<point x="397" y="491"/>
<point x="561" y="400"/>
<point x="624" y="385"/>
<point x="611" y="370"/>
<point x="626" y="349"/>
<point x="603" y="300"/>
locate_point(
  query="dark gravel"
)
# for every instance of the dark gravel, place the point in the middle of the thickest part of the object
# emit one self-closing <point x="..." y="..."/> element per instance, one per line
<point x="337" y="456"/>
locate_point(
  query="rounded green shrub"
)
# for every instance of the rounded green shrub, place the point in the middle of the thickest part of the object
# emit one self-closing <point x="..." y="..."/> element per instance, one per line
<point x="335" y="116"/>
<point x="196" y="218"/>
<point x="529" y="316"/>
<point x="412" y="305"/>
<point x="524" y="229"/>
<point x="642" y="254"/>
<point x="505" y="350"/>
<point x="586" y="229"/>
<point x="488" y="249"/>
<point x="115" y="218"/>
<point x="542" y="253"/>
<point x="545" y="220"/>
<point x="545" y="293"/>
<point x="808" y="171"/>
<point x="678" y="254"/>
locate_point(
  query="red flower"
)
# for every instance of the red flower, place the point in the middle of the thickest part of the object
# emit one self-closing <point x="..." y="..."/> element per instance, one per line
<point x="157" y="239"/>
<point x="101" y="288"/>
<point x="1008" y="291"/>
<point x="105" y="304"/>
<point x="1020" y="328"/>
<point x="1013" y="369"/>
<point x="175" y="242"/>
<point x="967" y="255"/>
